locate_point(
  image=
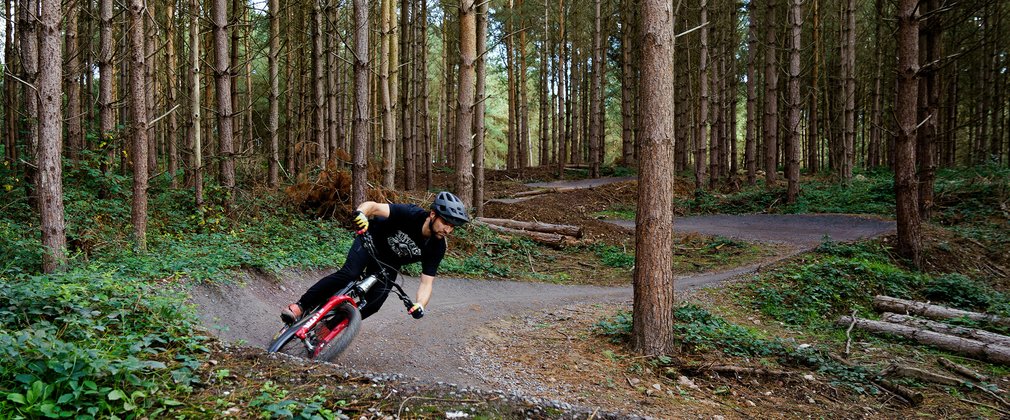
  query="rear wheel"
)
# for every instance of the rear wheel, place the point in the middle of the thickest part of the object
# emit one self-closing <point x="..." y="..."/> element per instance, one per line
<point x="335" y="331"/>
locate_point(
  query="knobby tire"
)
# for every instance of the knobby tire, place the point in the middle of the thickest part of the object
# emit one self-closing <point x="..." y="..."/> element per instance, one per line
<point x="330" y="350"/>
<point x="286" y="337"/>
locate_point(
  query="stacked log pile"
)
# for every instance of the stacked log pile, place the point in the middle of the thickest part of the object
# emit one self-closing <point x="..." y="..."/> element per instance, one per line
<point x="908" y="319"/>
<point x="971" y="342"/>
<point x="545" y="233"/>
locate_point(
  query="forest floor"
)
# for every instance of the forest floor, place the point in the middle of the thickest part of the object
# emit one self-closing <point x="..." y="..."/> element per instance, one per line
<point x="531" y="349"/>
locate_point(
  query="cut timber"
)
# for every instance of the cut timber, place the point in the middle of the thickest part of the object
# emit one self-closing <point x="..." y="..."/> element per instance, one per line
<point x="901" y="306"/>
<point x="968" y="347"/>
<point x="963" y="371"/>
<point x="909" y="372"/>
<point x="972" y="333"/>
<point x="541" y="191"/>
<point x="568" y="230"/>
<point x="747" y="371"/>
<point x="551" y="239"/>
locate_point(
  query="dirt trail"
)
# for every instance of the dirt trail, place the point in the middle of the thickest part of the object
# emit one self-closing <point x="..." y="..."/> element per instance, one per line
<point x="435" y="347"/>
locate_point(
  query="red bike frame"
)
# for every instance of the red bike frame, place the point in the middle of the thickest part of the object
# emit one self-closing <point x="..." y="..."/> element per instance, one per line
<point x="330" y="304"/>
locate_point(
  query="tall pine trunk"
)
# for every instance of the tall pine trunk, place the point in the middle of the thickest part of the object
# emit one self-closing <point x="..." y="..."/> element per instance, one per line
<point x="222" y="81"/>
<point x="359" y="172"/>
<point x="750" y="146"/>
<point x="274" y="99"/>
<point x="464" y="119"/>
<point x="50" y="165"/>
<point x="905" y="183"/>
<point x="138" y="115"/>
<point x="479" y="107"/>
<point x="793" y="139"/>
<point x="388" y="117"/>
<point x="195" y="127"/>
<point x="652" y="326"/>
<point x="771" y="106"/>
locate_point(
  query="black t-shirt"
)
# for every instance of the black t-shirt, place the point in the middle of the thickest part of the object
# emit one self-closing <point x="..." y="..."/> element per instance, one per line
<point x="399" y="241"/>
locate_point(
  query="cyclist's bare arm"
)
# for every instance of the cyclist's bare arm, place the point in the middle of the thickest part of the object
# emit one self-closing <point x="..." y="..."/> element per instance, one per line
<point x="424" y="290"/>
<point x="372" y="209"/>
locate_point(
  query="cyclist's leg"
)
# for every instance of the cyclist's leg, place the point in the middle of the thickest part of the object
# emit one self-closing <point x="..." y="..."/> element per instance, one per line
<point x="357" y="260"/>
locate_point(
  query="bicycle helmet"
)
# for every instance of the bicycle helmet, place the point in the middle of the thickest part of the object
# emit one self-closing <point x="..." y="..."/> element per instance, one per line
<point x="450" y="208"/>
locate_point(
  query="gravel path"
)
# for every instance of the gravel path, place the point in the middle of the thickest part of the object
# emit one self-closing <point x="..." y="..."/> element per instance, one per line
<point x="434" y="348"/>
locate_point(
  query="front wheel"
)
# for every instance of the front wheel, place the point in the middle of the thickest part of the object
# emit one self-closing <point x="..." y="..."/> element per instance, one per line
<point x="286" y="342"/>
<point x="336" y="331"/>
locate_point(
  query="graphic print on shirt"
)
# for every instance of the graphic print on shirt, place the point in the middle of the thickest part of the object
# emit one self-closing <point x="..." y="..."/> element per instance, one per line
<point x="403" y="246"/>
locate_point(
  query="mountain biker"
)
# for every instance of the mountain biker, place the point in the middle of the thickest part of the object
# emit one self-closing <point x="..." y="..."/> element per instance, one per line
<point x="402" y="234"/>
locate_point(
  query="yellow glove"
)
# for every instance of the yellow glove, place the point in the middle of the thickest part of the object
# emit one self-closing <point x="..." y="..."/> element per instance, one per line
<point x="359" y="221"/>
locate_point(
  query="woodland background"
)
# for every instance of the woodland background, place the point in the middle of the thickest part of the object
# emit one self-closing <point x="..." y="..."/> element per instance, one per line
<point x="148" y="142"/>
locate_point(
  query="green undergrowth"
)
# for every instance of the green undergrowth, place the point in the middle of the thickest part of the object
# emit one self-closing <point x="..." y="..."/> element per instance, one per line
<point x="976" y="194"/>
<point x="112" y="334"/>
<point x="867" y="193"/>
<point x="698" y="331"/>
<point x="840" y="278"/>
<point x="88" y="344"/>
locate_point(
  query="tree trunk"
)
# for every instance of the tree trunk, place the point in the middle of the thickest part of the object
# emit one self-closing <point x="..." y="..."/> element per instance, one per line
<point x="562" y="152"/>
<point x="929" y="97"/>
<point x="171" y="81"/>
<point x="222" y="81"/>
<point x="479" y="108"/>
<point x="793" y="141"/>
<point x="873" y="159"/>
<point x="10" y="134"/>
<point x="29" y="41"/>
<point x="75" y="134"/>
<point x="627" y="83"/>
<point x="409" y="164"/>
<point x="972" y="348"/>
<point x="50" y="165"/>
<point x="596" y="96"/>
<point x="464" y="119"/>
<point x="704" y="127"/>
<point x="652" y="329"/>
<point x="274" y="114"/>
<point x="849" y="91"/>
<point x="750" y="148"/>
<point x="771" y="111"/>
<point x="319" y="85"/>
<point x="138" y="113"/>
<point x="359" y="173"/>
<point x="388" y="116"/>
<point x="905" y="183"/>
<point x="194" y="102"/>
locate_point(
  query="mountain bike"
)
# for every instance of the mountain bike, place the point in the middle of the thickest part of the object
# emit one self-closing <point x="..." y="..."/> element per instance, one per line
<point x="328" y="330"/>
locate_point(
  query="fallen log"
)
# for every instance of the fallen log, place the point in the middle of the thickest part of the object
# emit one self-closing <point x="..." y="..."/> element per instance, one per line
<point x="541" y="191"/>
<point x="551" y="239"/>
<point x="965" y="346"/>
<point x="909" y="372"/>
<point x="748" y="371"/>
<point x="569" y="230"/>
<point x="963" y="371"/>
<point x="902" y="306"/>
<point x="972" y="333"/>
<point x="912" y="396"/>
